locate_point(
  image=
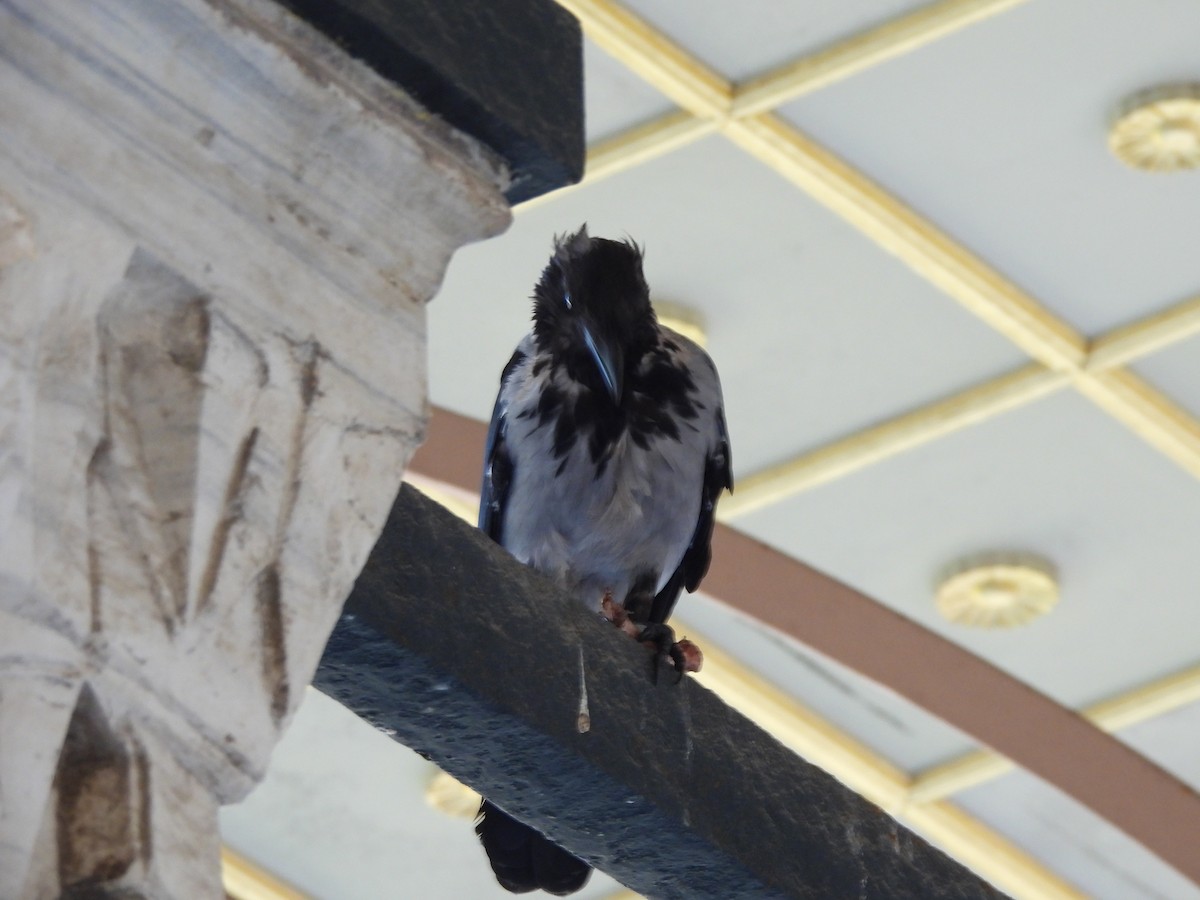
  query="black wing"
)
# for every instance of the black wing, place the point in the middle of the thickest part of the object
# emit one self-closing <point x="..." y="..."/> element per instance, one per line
<point x="497" y="464"/>
<point x="718" y="476"/>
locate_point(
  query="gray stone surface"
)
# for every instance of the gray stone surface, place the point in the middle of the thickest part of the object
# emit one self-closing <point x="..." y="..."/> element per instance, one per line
<point x="478" y="663"/>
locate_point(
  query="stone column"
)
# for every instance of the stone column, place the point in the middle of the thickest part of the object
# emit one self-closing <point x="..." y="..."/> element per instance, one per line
<point x="217" y="236"/>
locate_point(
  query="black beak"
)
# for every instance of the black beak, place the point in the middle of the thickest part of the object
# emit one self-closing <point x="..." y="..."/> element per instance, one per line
<point x="609" y="360"/>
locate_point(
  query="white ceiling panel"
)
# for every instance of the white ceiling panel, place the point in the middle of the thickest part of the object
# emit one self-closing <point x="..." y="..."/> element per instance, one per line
<point x="1084" y="849"/>
<point x="614" y="98"/>
<point x="342" y="815"/>
<point x="1176" y="372"/>
<point x="740" y="40"/>
<point x="1057" y="478"/>
<point x="1172" y="740"/>
<point x="998" y="132"/>
<point x="815" y="331"/>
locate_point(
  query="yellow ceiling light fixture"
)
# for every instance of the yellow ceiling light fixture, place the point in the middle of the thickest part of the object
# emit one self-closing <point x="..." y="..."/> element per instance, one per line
<point x="1158" y="130"/>
<point x="997" y="590"/>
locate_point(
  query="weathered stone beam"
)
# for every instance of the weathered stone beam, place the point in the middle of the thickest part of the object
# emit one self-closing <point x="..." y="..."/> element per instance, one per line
<point x="480" y="664"/>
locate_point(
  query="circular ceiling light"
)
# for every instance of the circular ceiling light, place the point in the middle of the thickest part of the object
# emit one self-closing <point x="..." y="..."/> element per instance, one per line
<point x="1158" y="130"/>
<point x="997" y="591"/>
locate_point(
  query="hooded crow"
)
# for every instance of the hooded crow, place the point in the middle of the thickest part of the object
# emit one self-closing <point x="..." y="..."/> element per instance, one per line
<point x="605" y="456"/>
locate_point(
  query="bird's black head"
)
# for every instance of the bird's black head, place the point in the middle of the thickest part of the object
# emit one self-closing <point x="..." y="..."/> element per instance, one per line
<point x="591" y="310"/>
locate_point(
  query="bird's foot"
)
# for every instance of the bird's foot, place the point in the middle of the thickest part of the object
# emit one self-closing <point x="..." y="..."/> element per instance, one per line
<point x="684" y="655"/>
<point x="615" y="613"/>
<point x="693" y="657"/>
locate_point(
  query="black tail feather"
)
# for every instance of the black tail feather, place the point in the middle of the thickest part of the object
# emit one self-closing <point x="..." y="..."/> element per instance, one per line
<point x="523" y="860"/>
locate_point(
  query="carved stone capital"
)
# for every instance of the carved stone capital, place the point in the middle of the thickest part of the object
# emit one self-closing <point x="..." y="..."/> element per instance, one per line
<point x="217" y="237"/>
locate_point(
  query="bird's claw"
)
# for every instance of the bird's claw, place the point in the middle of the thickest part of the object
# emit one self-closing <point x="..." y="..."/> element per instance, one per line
<point x="615" y="613"/>
<point x="690" y="655"/>
<point x="684" y="655"/>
